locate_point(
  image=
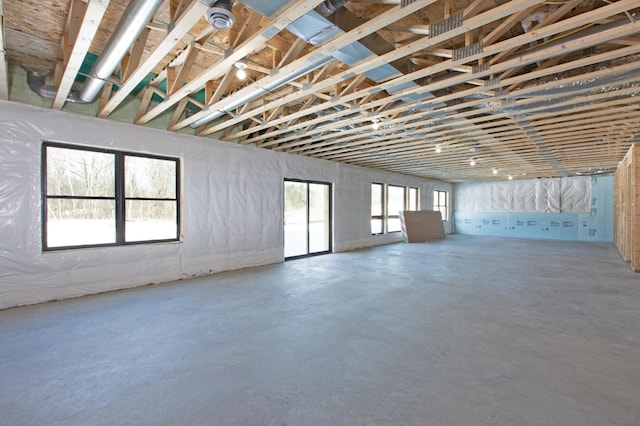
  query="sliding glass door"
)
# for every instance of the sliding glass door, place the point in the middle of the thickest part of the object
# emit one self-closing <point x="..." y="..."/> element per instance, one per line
<point x="307" y="218"/>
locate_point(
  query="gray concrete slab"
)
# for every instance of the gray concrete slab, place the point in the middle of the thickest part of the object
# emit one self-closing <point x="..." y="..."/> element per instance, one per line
<point x="465" y="331"/>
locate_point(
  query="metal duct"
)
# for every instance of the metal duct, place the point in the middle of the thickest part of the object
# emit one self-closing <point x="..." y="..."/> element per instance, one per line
<point x="330" y="6"/>
<point x="315" y="29"/>
<point x="219" y="15"/>
<point x="133" y="21"/>
<point x="36" y="82"/>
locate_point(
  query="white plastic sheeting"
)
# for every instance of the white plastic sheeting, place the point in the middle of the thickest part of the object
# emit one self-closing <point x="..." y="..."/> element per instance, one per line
<point x="557" y="195"/>
<point x="231" y="207"/>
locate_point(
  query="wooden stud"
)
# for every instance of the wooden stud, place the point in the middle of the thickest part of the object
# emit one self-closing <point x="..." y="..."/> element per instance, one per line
<point x="340" y="41"/>
<point x="252" y="22"/>
<point x="135" y="54"/>
<point x="184" y="24"/>
<point x="185" y="68"/>
<point x="292" y="53"/>
<point x="83" y="36"/>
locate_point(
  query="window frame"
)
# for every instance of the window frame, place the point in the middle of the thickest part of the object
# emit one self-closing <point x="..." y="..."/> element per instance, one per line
<point x="417" y="198"/>
<point x="436" y="203"/>
<point x="386" y="210"/>
<point x="329" y="185"/>
<point x="119" y="197"/>
<point x="382" y="209"/>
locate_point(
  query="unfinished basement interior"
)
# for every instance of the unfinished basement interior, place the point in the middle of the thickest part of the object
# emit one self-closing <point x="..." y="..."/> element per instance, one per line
<point x="320" y="212"/>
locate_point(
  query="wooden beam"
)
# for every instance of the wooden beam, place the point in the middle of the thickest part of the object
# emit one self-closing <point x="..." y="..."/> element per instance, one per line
<point x="222" y="88"/>
<point x="177" y="112"/>
<point x="146" y="100"/>
<point x="185" y="68"/>
<point x="523" y="92"/>
<point x="476" y="7"/>
<point x="552" y="18"/>
<point x="183" y="6"/>
<point x="75" y="17"/>
<point x="182" y="26"/>
<point x="293" y="52"/>
<point x="250" y="25"/>
<point x="353" y="85"/>
<point x="467" y="125"/>
<point x="414" y="29"/>
<point x="326" y="49"/>
<point x="132" y="59"/>
<point x="87" y="30"/>
<point x="525" y="38"/>
<point x="255" y="43"/>
<point x="489" y="16"/>
<point x="105" y="93"/>
<point x="506" y="25"/>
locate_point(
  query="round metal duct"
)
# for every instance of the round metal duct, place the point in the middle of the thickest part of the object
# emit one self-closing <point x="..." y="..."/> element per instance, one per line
<point x="219" y="17"/>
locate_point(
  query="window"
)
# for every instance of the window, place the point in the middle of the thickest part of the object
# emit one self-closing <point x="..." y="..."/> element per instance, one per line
<point x="377" y="209"/>
<point x="307" y="218"/>
<point x="386" y="203"/>
<point x="414" y="201"/>
<point x="440" y="203"/>
<point x="98" y="197"/>
<point x="395" y="203"/>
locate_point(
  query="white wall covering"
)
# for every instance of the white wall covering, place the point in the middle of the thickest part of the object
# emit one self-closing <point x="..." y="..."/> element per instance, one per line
<point x="558" y="195"/>
<point x="231" y="207"/>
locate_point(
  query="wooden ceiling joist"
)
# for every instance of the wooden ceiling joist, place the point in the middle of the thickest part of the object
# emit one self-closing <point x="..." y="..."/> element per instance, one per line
<point x="521" y="40"/>
<point x="532" y="88"/>
<point x="255" y="43"/>
<point x="82" y="25"/>
<point x="532" y="57"/>
<point x="497" y="13"/>
<point x="471" y="134"/>
<point x="184" y="23"/>
<point x="325" y="51"/>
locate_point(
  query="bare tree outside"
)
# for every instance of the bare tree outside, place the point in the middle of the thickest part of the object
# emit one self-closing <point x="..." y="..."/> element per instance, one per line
<point x="81" y="197"/>
<point x="150" y="192"/>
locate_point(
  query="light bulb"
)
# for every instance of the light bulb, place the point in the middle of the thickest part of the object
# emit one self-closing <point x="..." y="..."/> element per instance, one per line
<point x="241" y="74"/>
<point x="494" y="171"/>
<point x="438" y="149"/>
<point x="375" y="125"/>
<point x="472" y="162"/>
<point x="510" y="177"/>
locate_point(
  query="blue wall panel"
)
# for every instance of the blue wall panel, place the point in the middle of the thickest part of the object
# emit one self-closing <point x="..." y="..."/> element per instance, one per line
<point x="481" y="223"/>
<point x="598" y="225"/>
<point x="594" y="226"/>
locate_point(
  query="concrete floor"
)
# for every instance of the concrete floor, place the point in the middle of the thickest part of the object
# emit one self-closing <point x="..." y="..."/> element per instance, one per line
<point x="465" y="331"/>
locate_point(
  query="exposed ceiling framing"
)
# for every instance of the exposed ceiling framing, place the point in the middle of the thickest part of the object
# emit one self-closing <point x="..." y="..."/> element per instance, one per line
<point x="530" y="88"/>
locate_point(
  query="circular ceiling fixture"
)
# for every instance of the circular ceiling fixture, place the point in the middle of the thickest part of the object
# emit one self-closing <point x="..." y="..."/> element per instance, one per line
<point x="220" y="16"/>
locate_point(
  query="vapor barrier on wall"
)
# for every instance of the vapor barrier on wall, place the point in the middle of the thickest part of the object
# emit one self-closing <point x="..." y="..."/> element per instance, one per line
<point x="553" y="195"/>
<point x="231" y="207"/>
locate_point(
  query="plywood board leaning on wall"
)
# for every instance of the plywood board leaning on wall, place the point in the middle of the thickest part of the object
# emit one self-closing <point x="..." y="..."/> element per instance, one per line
<point x="627" y="207"/>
